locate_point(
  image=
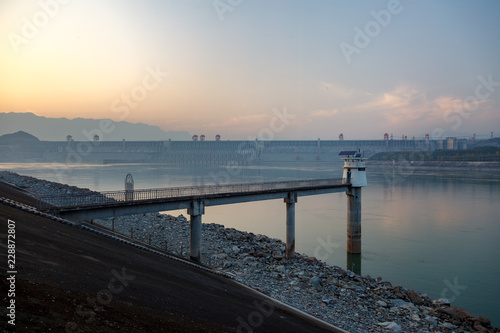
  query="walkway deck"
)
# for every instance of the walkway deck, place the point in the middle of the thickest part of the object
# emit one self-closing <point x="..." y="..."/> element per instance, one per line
<point x="194" y="199"/>
<point x="113" y="198"/>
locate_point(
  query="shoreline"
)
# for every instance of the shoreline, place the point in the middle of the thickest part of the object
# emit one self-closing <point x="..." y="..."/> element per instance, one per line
<point x="435" y="165"/>
<point x="338" y="296"/>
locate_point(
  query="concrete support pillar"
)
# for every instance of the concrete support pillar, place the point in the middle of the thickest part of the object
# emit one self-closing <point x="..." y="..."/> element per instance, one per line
<point x="354" y="262"/>
<point x="196" y="211"/>
<point x="290" y="224"/>
<point x="354" y="220"/>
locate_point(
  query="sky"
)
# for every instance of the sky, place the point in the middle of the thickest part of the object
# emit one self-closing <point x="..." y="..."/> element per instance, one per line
<point x="263" y="69"/>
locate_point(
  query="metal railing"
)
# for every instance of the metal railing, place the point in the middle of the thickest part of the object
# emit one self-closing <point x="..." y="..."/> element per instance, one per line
<point x="186" y="191"/>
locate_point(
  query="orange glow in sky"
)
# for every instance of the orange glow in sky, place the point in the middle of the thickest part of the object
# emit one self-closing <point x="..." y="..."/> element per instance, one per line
<point x="228" y="71"/>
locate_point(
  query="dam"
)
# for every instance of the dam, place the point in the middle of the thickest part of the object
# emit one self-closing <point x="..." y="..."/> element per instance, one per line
<point x="238" y="152"/>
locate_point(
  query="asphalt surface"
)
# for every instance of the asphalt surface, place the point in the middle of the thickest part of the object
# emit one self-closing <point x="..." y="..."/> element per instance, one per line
<point x="71" y="280"/>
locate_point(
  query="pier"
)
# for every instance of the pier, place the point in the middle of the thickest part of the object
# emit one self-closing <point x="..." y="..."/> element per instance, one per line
<point x="195" y="198"/>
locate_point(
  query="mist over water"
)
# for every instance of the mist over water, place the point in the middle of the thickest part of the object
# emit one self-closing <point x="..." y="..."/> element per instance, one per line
<point x="432" y="231"/>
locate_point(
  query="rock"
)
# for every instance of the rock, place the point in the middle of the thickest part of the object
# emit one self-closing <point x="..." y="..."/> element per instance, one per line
<point x="448" y="326"/>
<point x="399" y="303"/>
<point x="483" y="321"/>
<point x="332" y="289"/>
<point x="479" y="327"/>
<point x="328" y="301"/>
<point x="394" y="309"/>
<point x="262" y="238"/>
<point x="315" y="281"/>
<point x="385" y="284"/>
<point x="457" y="312"/>
<point x="426" y="310"/>
<point x="382" y="304"/>
<point x="300" y="274"/>
<point x="415" y="298"/>
<point x="332" y="280"/>
<point x="391" y="325"/>
<point x="228" y="264"/>
<point x="440" y="302"/>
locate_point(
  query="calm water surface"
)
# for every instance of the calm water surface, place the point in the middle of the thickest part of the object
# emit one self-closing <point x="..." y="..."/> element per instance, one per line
<point x="435" y="232"/>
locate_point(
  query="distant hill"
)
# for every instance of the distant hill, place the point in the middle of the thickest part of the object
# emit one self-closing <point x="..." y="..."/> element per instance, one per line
<point x="18" y="138"/>
<point x="495" y="142"/>
<point x="56" y="129"/>
<point x="21" y="141"/>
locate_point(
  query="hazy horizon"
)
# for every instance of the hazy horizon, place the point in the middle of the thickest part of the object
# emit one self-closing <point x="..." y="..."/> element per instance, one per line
<point x="246" y="69"/>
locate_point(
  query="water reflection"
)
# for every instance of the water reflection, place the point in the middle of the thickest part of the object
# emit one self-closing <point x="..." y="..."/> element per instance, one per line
<point x="418" y="227"/>
<point x="354" y="262"/>
<point x="96" y="179"/>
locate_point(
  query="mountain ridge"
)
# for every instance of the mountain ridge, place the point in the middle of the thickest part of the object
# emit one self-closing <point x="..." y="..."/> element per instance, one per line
<point x="83" y="129"/>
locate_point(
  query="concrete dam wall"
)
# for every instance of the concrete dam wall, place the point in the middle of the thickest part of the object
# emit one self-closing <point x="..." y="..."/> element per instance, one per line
<point x="206" y="152"/>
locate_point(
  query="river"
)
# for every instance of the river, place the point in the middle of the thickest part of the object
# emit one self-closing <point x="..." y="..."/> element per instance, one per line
<point x="433" y="231"/>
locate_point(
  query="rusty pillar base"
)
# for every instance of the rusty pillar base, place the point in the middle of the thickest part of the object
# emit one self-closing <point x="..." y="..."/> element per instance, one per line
<point x="354" y="220"/>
